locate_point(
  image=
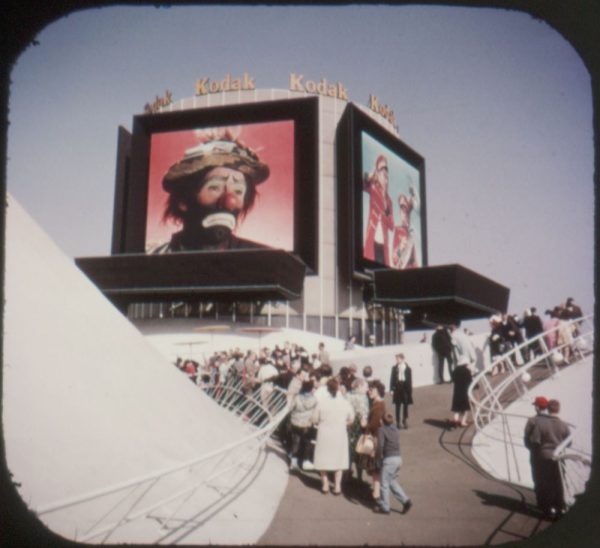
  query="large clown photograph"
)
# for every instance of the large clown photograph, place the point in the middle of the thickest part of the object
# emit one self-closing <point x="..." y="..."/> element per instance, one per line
<point x="221" y="188"/>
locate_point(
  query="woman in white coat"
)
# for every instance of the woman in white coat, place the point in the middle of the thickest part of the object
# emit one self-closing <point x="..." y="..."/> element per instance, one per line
<point x="332" y="417"/>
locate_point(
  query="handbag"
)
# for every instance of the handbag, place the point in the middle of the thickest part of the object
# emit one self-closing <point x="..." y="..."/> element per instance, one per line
<point x="365" y="445"/>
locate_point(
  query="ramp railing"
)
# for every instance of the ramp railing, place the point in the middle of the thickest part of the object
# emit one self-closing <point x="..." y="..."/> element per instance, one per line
<point x="526" y="365"/>
<point x="162" y="495"/>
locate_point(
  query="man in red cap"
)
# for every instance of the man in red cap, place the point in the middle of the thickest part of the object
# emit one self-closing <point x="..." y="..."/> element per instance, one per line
<point x="549" y="432"/>
<point x="532" y="443"/>
<point x="381" y="217"/>
<point x="210" y="189"/>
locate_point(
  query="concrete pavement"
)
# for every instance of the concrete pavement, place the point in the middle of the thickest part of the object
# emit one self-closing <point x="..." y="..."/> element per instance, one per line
<point x="455" y="503"/>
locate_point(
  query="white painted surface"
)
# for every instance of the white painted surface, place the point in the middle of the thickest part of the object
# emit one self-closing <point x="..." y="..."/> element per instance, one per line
<point x="88" y="403"/>
<point x="572" y="386"/>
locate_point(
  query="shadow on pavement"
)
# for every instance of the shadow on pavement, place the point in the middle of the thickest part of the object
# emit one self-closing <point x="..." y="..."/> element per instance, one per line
<point x="358" y="492"/>
<point x="508" y="503"/>
<point x="310" y="480"/>
<point x="438" y="423"/>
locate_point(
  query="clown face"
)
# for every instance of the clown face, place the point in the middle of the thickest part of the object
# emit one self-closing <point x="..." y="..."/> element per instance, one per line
<point x="224" y="188"/>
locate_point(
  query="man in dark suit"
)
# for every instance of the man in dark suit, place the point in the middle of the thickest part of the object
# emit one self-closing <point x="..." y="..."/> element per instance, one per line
<point x="442" y="346"/>
<point x="533" y="326"/>
<point x="401" y="388"/>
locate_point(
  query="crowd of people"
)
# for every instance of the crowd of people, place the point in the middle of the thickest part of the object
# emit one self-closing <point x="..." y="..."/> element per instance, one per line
<point x="509" y="331"/>
<point x="328" y="415"/>
<point x="339" y="425"/>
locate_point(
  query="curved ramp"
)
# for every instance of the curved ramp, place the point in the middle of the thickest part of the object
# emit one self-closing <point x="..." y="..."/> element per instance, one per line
<point x="88" y="405"/>
<point x="572" y="386"/>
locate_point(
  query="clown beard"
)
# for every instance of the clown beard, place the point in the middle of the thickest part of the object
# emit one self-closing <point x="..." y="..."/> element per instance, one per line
<point x="205" y="226"/>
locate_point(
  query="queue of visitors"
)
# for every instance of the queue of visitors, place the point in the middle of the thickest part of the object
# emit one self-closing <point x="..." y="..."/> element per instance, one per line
<point x="338" y="424"/>
<point x="511" y="331"/>
<point x="328" y="413"/>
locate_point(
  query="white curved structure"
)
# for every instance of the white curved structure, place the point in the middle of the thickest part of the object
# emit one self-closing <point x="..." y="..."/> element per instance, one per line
<point x="501" y="409"/>
<point x="106" y="439"/>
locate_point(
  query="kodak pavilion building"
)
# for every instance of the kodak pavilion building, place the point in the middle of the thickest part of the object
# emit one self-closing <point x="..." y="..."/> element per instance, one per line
<point x="289" y="208"/>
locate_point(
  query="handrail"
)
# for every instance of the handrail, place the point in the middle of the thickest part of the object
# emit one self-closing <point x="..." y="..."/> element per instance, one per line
<point x="489" y="401"/>
<point x="260" y="415"/>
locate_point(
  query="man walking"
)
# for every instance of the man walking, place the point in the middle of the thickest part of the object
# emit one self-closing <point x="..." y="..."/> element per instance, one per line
<point x="388" y="452"/>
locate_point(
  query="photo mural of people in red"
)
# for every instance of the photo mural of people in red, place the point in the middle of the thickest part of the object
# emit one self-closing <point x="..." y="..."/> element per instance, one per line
<point x="392" y="232"/>
<point x="404" y="252"/>
<point x="221" y="188"/>
<point x="380" y="219"/>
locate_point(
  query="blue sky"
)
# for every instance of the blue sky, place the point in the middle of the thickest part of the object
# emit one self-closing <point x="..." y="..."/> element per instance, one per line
<point x="498" y="104"/>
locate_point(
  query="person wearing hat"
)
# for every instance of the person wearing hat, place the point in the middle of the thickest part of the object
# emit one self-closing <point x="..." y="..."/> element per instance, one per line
<point x="210" y="190"/>
<point x="380" y="220"/>
<point x="547" y="433"/>
<point x="532" y="443"/>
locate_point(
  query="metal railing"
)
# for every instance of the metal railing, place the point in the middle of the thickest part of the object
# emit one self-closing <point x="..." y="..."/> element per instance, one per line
<point x="526" y="365"/>
<point x="163" y="494"/>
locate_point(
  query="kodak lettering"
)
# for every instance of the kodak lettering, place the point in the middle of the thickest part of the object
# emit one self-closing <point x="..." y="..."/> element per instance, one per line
<point x="204" y="86"/>
<point x="322" y="87"/>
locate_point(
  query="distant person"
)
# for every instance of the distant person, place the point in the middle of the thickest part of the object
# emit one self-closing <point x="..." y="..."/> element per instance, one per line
<point x="498" y="345"/>
<point x="350" y="343"/>
<point x="301" y="413"/>
<point x="551" y="327"/>
<point x="323" y="374"/>
<point x="211" y="189"/>
<point x="388" y="452"/>
<point x="360" y="404"/>
<point x="332" y="416"/>
<point x="462" y="378"/>
<point x="371" y="426"/>
<point x="266" y="376"/>
<point x="573" y="312"/>
<point x="533" y="326"/>
<point x="464" y="350"/>
<point x="380" y="220"/>
<point x="441" y="342"/>
<point x="401" y="389"/>
<point x="513" y="337"/>
<point x="531" y="439"/>
<point x="547" y="434"/>
<point x="462" y="375"/>
<point x="323" y="355"/>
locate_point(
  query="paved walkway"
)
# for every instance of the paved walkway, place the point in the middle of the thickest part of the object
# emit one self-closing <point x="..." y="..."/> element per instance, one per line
<point x="455" y="503"/>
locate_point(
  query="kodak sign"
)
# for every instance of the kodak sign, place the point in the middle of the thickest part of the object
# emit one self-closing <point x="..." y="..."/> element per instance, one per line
<point x="204" y="86"/>
<point x="322" y="87"/>
<point x="382" y="109"/>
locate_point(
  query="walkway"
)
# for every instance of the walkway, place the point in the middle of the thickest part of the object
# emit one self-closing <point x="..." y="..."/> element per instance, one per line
<point x="455" y="503"/>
